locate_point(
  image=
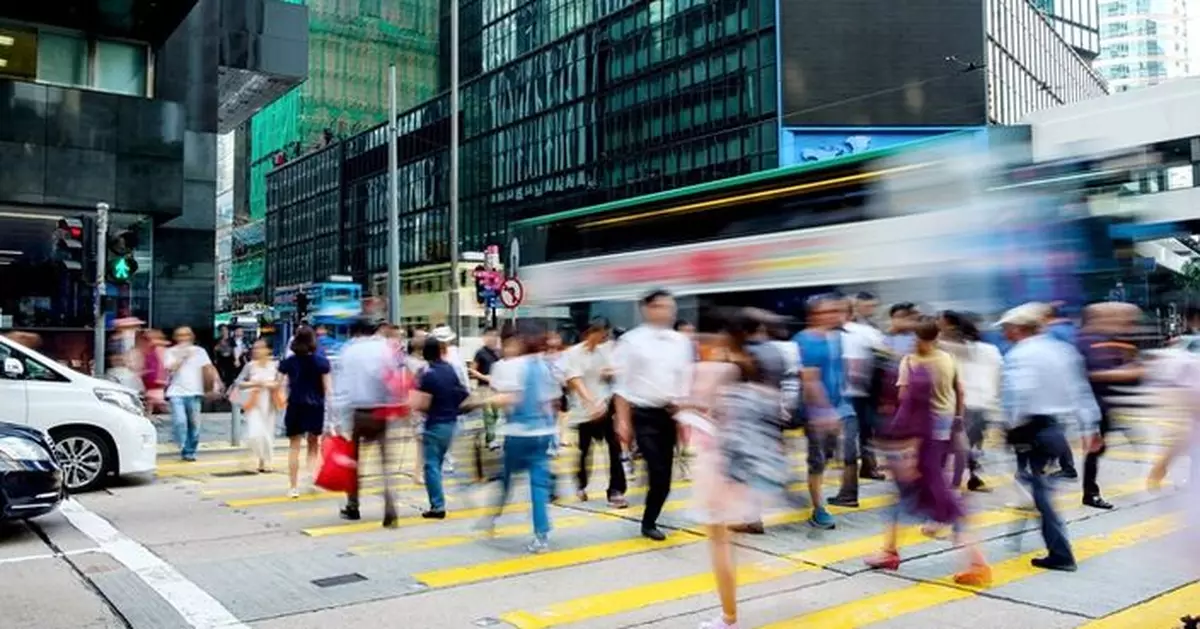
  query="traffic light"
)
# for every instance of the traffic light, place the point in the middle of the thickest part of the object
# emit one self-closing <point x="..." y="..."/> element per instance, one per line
<point x="301" y="306"/>
<point x="481" y="284"/>
<point x="68" y="244"/>
<point x="122" y="265"/>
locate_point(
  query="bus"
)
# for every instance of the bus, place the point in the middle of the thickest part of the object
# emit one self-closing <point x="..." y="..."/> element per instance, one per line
<point x="948" y="223"/>
<point x="332" y="305"/>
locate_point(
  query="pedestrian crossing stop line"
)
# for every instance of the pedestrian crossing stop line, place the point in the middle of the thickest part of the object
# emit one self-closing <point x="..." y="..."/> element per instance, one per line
<point x="1160" y="612"/>
<point x="874" y="609"/>
<point x="631" y="599"/>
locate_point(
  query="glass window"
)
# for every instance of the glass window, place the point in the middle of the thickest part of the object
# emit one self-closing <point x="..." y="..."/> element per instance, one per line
<point x="62" y="59"/>
<point x="18" y="53"/>
<point x="121" y="68"/>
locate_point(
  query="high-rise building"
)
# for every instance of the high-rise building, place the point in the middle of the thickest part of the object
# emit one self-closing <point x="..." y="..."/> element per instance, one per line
<point x="1078" y="21"/>
<point x="121" y="103"/>
<point x="1144" y="42"/>
<point x="351" y="46"/>
<point x="569" y="103"/>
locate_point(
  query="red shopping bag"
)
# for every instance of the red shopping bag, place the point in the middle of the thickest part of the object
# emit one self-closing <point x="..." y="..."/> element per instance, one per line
<point x="339" y="468"/>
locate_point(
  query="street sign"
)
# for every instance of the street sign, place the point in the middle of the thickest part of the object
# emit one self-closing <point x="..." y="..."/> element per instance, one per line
<point x="511" y="293"/>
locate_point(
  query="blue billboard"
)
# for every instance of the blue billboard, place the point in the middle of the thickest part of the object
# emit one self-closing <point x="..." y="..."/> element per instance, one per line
<point x="807" y="145"/>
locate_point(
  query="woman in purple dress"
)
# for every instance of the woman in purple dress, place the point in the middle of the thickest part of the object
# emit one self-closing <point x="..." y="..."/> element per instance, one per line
<point x="924" y="493"/>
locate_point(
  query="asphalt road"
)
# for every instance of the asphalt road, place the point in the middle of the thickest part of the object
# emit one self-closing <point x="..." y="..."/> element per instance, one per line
<point x="208" y="544"/>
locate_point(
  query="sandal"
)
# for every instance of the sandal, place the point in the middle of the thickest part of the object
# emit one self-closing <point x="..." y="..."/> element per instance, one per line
<point x="885" y="560"/>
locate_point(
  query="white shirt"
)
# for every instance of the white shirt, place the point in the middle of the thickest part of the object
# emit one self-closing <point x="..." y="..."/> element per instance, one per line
<point x="187" y="379"/>
<point x="1045" y="376"/>
<point x="859" y="342"/>
<point x="980" y="366"/>
<point x="653" y="366"/>
<point x="588" y="366"/>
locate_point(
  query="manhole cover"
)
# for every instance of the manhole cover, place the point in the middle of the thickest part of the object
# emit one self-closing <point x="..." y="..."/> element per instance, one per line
<point x="341" y="579"/>
<point x="233" y="474"/>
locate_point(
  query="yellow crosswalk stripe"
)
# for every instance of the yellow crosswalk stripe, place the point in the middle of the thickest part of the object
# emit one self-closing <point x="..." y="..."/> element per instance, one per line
<point x="634" y="598"/>
<point x="513" y="530"/>
<point x="488" y="571"/>
<point x="461" y="514"/>
<point x="874" y="609"/>
<point x="1161" y="612"/>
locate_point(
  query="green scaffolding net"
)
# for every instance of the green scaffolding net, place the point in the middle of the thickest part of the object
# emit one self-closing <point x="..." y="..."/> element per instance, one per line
<point x="351" y="45"/>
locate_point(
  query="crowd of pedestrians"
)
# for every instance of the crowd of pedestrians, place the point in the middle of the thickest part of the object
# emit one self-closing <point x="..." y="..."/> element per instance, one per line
<point x="911" y="402"/>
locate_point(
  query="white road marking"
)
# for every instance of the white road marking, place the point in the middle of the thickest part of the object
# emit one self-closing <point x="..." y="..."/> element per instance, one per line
<point x="196" y="606"/>
<point x="68" y="553"/>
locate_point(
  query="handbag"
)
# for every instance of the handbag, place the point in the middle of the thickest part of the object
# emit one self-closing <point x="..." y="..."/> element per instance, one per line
<point x="339" y="467"/>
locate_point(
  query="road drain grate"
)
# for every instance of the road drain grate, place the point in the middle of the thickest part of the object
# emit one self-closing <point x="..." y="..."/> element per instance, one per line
<point x="341" y="579"/>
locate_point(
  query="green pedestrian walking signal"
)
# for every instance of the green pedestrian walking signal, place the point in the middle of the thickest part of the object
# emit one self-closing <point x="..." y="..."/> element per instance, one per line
<point x="122" y="269"/>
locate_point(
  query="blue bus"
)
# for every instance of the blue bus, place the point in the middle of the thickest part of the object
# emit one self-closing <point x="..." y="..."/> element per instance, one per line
<point x="332" y="307"/>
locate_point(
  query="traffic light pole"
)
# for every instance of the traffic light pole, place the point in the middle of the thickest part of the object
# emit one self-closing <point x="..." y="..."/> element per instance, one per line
<point x="98" y="299"/>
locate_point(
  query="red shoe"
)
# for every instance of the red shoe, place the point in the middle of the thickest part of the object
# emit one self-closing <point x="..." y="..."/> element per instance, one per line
<point x="885" y="560"/>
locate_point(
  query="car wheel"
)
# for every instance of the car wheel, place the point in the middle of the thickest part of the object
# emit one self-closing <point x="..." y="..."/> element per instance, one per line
<point x="84" y="458"/>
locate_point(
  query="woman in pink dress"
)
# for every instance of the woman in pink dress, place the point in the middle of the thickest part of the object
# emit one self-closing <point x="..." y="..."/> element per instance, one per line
<point x="735" y="415"/>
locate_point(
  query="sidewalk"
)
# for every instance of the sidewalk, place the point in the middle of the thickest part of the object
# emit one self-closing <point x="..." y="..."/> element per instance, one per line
<point x="215" y="434"/>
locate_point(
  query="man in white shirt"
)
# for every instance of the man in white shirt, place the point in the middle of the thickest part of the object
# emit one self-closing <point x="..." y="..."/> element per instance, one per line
<point x="588" y="367"/>
<point x="187" y="364"/>
<point x="1044" y="384"/>
<point x="860" y="341"/>
<point x="653" y="373"/>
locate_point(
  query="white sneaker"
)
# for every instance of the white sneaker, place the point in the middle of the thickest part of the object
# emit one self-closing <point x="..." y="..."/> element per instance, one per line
<point x="538" y="546"/>
<point x="293" y="493"/>
<point x="718" y="623"/>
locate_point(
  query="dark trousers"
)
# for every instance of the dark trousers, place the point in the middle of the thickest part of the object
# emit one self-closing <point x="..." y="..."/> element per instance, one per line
<point x="864" y="412"/>
<point x="603" y="429"/>
<point x="1041" y="441"/>
<point x="654" y="430"/>
<point x="368" y="426"/>
<point x="1092" y="461"/>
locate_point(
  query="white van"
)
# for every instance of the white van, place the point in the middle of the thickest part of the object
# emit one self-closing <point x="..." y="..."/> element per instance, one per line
<point x="99" y="428"/>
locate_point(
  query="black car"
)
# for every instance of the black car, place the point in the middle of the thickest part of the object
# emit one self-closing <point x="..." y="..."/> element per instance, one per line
<point x="31" y="482"/>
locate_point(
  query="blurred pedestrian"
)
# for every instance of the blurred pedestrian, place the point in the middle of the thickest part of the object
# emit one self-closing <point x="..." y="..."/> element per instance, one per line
<point x="528" y="389"/>
<point x="152" y="346"/>
<point x="915" y="457"/>
<point x="440" y="394"/>
<point x="1043" y="385"/>
<point x="828" y="412"/>
<point x="307" y="380"/>
<point x="192" y="377"/>
<point x="947" y="403"/>
<point x="260" y="398"/>
<point x="1111" y="363"/>
<point x="734" y="409"/>
<point x="653" y="373"/>
<point x="979" y="366"/>
<point x="589" y="373"/>
<point x="366" y="366"/>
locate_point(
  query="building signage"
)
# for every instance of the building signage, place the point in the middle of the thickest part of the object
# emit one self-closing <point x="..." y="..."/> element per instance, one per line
<point x="808" y="145"/>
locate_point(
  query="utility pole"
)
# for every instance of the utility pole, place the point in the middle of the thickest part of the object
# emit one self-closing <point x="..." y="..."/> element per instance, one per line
<point x="455" y="284"/>
<point x="98" y="298"/>
<point x="393" y="307"/>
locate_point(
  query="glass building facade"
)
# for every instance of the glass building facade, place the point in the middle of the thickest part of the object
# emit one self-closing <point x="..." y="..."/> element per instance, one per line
<point x="1030" y="66"/>
<point x="574" y="103"/>
<point x="1144" y="42"/>
<point x="565" y="103"/>
<point x="1077" y="21"/>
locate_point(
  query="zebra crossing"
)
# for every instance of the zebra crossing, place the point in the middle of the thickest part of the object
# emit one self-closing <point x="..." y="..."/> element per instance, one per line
<point x="600" y="573"/>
